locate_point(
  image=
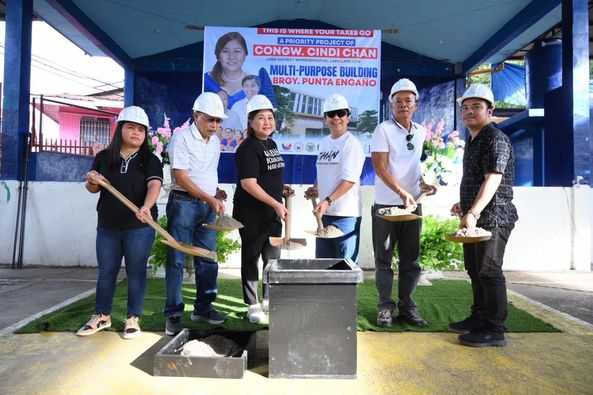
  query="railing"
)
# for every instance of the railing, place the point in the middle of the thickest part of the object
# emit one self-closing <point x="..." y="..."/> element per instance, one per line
<point x="63" y="146"/>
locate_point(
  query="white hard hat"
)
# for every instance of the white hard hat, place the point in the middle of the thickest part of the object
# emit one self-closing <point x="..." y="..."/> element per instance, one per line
<point x="478" y="91"/>
<point x="259" y="102"/>
<point x="335" y="102"/>
<point x="211" y="104"/>
<point x="134" y="114"/>
<point x="403" y="85"/>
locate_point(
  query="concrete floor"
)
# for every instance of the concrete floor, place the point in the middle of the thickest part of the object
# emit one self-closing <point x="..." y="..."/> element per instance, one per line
<point x="388" y="363"/>
<point x="29" y="291"/>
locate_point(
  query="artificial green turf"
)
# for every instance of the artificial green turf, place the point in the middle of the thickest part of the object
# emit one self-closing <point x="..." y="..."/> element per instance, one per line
<point x="445" y="301"/>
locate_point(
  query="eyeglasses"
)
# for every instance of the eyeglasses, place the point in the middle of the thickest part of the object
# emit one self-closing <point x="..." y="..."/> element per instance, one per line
<point x="211" y="119"/>
<point x="339" y="113"/>
<point x="409" y="138"/>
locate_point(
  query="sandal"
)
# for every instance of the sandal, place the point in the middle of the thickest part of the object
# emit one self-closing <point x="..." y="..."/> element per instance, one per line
<point x="97" y="323"/>
<point x="131" y="327"/>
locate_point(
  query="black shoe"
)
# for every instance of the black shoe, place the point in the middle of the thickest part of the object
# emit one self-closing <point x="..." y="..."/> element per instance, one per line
<point x="212" y="317"/>
<point x="173" y="326"/>
<point x="412" y="317"/>
<point x="483" y="338"/>
<point x="471" y="323"/>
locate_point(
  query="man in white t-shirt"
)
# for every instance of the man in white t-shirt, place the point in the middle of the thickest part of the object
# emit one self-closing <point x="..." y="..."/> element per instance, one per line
<point x="194" y="200"/>
<point x="396" y="151"/>
<point x="339" y="166"/>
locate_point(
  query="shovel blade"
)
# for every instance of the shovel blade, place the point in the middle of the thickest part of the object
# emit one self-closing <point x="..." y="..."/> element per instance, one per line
<point x="224" y="223"/>
<point x="191" y="250"/>
<point x="218" y="227"/>
<point x="288" y="244"/>
<point x="330" y="232"/>
<point x="276" y="241"/>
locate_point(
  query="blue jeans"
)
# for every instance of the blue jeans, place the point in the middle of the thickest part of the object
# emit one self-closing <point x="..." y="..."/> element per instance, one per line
<point x="345" y="246"/>
<point x="186" y="216"/>
<point x="134" y="246"/>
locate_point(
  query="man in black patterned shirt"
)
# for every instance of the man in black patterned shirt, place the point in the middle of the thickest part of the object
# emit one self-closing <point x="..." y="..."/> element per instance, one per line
<point x="486" y="195"/>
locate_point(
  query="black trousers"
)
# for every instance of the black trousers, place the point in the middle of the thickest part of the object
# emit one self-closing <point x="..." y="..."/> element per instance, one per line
<point x="483" y="262"/>
<point x="406" y="236"/>
<point x="255" y="234"/>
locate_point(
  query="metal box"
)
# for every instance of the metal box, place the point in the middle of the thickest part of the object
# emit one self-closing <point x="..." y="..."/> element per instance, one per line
<point x="312" y="317"/>
<point x="168" y="361"/>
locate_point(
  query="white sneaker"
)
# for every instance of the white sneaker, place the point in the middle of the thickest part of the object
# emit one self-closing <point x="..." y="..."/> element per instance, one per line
<point x="131" y="327"/>
<point x="256" y="315"/>
<point x="265" y="305"/>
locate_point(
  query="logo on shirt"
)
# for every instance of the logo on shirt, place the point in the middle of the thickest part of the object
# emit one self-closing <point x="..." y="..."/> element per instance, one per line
<point x="273" y="159"/>
<point x="328" y="156"/>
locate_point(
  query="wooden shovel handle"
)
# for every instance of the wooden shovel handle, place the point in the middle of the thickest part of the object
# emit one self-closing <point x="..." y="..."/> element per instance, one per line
<point x="287" y="223"/>
<point x="317" y="216"/>
<point x="153" y="224"/>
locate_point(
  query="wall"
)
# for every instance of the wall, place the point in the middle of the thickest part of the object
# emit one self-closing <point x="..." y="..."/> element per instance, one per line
<point x="54" y="166"/>
<point x="69" y="126"/>
<point x="61" y="222"/>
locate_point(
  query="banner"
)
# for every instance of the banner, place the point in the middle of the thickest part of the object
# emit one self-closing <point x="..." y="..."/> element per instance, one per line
<point x="296" y="69"/>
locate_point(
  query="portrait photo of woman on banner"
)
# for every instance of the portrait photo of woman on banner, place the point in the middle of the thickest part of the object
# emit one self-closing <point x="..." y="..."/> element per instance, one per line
<point x="228" y="75"/>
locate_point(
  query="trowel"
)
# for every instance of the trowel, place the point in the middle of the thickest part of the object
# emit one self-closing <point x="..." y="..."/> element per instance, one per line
<point x="167" y="238"/>
<point x="286" y="242"/>
<point x="329" y="232"/>
<point x="224" y="223"/>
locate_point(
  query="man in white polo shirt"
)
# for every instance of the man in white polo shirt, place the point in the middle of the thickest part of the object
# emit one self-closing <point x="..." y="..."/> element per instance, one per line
<point x="396" y="151"/>
<point x="194" y="201"/>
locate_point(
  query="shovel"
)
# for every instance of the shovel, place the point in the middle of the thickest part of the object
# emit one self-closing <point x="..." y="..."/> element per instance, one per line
<point x="224" y="223"/>
<point x="286" y="242"/>
<point x="330" y="232"/>
<point x="168" y="239"/>
<point x="403" y="215"/>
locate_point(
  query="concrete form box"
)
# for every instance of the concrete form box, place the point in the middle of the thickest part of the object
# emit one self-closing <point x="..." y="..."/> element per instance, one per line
<point x="312" y="317"/>
<point x="169" y="362"/>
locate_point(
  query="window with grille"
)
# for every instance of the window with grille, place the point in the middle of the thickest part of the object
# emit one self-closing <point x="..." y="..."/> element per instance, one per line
<point x="94" y="131"/>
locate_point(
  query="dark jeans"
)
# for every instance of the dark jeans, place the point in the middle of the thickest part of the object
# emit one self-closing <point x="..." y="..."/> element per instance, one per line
<point x="343" y="246"/>
<point x="186" y="216"/>
<point x="406" y="236"/>
<point x="134" y="246"/>
<point x="483" y="262"/>
<point x="255" y="234"/>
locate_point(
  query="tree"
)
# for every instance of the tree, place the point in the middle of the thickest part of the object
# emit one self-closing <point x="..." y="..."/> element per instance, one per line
<point x="368" y="121"/>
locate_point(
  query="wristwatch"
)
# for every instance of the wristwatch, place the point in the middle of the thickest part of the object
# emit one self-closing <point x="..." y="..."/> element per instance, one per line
<point x="328" y="200"/>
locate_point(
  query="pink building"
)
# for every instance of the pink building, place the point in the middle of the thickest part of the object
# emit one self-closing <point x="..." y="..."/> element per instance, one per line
<point x="82" y="121"/>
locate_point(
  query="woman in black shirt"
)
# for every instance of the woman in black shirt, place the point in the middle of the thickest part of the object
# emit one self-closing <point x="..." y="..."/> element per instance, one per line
<point x="258" y="199"/>
<point x="131" y="168"/>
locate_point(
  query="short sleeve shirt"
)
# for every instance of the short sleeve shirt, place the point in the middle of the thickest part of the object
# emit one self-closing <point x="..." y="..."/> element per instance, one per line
<point x="340" y="159"/>
<point x="190" y="151"/>
<point x="259" y="159"/>
<point x="131" y="178"/>
<point x="404" y="164"/>
<point x="489" y="152"/>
